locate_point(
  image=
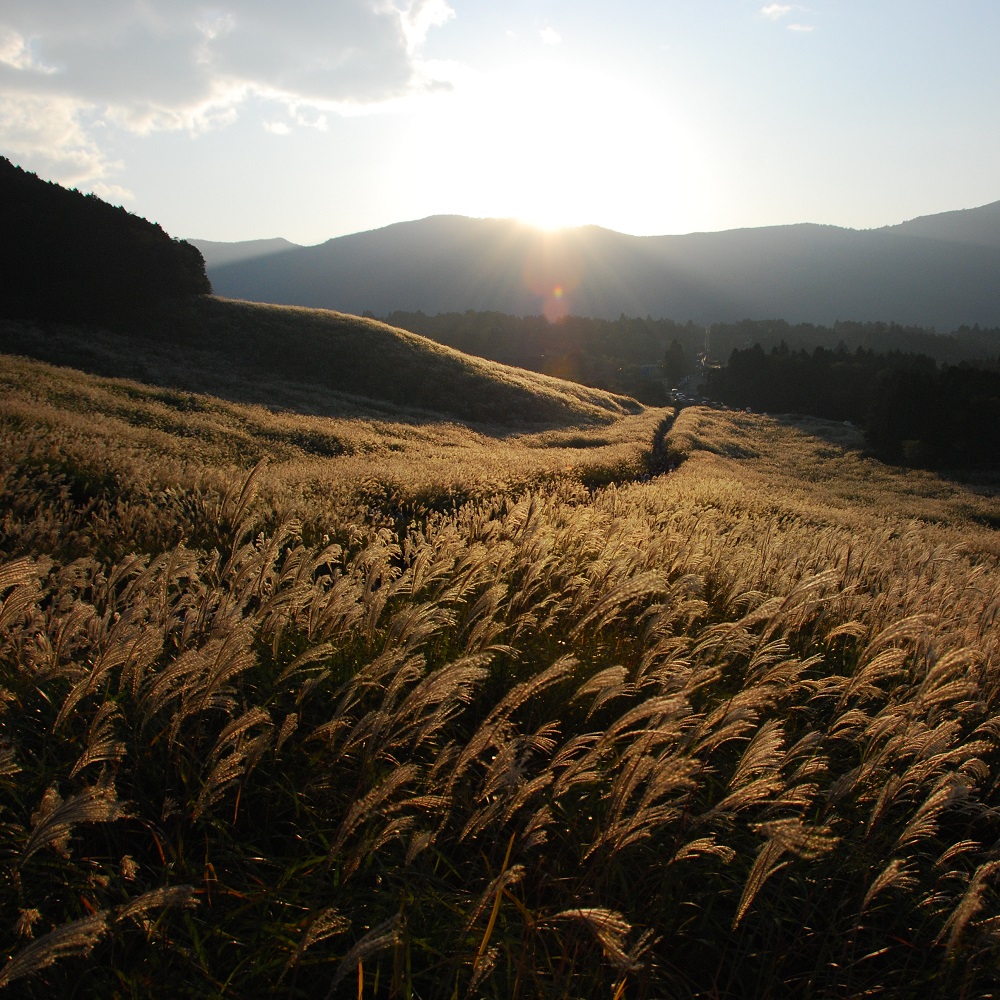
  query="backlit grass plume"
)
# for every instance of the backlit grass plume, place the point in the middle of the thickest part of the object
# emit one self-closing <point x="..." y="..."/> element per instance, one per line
<point x="438" y="714"/>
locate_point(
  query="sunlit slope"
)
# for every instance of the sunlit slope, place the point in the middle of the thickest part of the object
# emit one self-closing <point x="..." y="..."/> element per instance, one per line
<point x="291" y="356"/>
<point x="95" y="430"/>
<point x="739" y="718"/>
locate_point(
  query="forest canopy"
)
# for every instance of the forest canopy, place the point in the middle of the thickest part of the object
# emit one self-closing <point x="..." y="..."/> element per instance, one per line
<point x="912" y="409"/>
<point x="68" y="256"/>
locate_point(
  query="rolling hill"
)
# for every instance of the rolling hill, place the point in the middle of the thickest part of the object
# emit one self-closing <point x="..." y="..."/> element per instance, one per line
<point x="388" y="705"/>
<point x="939" y="271"/>
<point x="97" y="288"/>
<point x="313" y="361"/>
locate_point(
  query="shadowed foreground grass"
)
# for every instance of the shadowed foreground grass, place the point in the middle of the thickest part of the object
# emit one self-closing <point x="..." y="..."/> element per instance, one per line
<point x="724" y="733"/>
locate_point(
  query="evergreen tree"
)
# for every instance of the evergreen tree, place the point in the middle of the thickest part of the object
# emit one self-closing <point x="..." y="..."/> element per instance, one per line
<point x="675" y="362"/>
<point x="74" y="258"/>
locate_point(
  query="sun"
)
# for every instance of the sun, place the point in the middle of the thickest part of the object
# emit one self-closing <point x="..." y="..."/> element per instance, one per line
<point x="545" y="216"/>
<point x="554" y="145"/>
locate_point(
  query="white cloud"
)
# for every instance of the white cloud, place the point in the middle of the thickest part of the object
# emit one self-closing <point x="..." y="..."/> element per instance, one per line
<point x="550" y="36"/>
<point x="308" y="117"/>
<point x="114" y="193"/>
<point x="420" y="17"/>
<point x="46" y="132"/>
<point x="776" y="11"/>
<point x="213" y="24"/>
<point x="179" y="64"/>
<point x="15" y="52"/>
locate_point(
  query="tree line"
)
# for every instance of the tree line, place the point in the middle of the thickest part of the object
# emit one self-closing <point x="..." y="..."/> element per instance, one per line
<point x="71" y="257"/>
<point x="645" y="357"/>
<point x="623" y="355"/>
<point x="913" y="409"/>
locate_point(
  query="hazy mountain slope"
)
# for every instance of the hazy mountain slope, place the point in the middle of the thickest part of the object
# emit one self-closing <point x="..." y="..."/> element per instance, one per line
<point x="441" y="263"/>
<point x="941" y="271"/>
<point x="973" y="226"/>
<point x="217" y="254"/>
<point x="309" y="359"/>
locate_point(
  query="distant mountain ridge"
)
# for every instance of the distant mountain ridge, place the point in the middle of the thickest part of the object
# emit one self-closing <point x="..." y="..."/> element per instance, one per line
<point x="939" y="271"/>
<point x="971" y="226"/>
<point x="232" y="253"/>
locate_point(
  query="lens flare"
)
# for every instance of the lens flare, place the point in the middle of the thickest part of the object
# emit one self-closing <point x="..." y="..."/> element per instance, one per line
<point x="555" y="305"/>
<point x="552" y="272"/>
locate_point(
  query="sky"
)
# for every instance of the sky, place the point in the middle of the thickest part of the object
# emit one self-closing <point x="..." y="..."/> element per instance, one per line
<point x="309" y="119"/>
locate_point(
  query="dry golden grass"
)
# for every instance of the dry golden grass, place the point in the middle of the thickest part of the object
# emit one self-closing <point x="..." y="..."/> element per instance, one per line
<point x="316" y="361"/>
<point x="817" y="471"/>
<point x="373" y="449"/>
<point x="426" y="716"/>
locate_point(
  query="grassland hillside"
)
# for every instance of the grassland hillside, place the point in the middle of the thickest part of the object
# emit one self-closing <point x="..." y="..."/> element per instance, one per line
<point x="382" y="707"/>
<point x="369" y="452"/>
<point x="308" y="359"/>
<point x="92" y="286"/>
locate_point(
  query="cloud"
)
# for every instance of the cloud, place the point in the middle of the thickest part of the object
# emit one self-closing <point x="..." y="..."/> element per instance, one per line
<point x="776" y="11"/>
<point x="114" y="193"/>
<point x="420" y="17"/>
<point x="181" y="64"/>
<point x="550" y="36"/>
<point x="15" y="52"/>
<point x="48" y="133"/>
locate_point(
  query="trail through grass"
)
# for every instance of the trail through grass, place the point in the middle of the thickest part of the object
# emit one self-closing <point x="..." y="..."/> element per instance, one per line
<point x="421" y="712"/>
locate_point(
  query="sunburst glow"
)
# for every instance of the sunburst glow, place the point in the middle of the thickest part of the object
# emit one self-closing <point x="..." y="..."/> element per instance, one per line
<point x="531" y="149"/>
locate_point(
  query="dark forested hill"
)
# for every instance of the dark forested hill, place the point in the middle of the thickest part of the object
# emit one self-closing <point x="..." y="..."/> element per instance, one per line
<point x="941" y="271"/>
<point x="72" y="257"/>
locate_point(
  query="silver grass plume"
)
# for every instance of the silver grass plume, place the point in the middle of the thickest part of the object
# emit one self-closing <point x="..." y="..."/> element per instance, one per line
<point x="158" y="899"/>
<point x="75" y="938"/>
<point x="608" y="926"/>
<point x="766" y="864"/>
<point x="21" y="575"/>
<point x="968" y="906"/>
<point x="102" y="747"/>
<point x="55" y="818"/>
<point x="380" y="937"/>
<point x="326" y="924"/>
<point x="896" y="873"/>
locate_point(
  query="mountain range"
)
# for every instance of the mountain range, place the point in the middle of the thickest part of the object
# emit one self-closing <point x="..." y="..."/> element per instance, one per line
<point x="940" y="271"/>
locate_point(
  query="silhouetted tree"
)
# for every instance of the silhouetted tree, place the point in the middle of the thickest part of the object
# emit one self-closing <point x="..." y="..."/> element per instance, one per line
<point x="676" y="363"/>
<point x="73" y="257"/>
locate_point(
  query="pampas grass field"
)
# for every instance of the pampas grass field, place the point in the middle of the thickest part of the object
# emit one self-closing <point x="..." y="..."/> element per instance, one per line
<point x="375" y="706"/>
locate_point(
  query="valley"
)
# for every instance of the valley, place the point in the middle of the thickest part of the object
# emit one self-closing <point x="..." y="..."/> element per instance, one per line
<point x="335" y="661"/>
